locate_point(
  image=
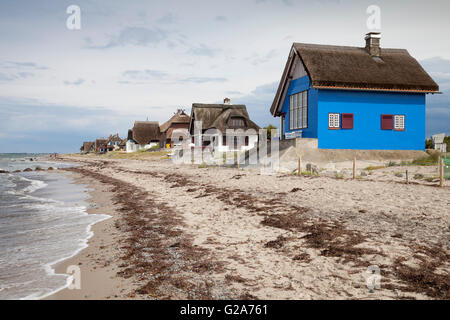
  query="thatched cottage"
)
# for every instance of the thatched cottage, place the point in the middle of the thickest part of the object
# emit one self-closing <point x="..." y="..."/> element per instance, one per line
<point x="353" y="97"/>
<point x="218" y="120"/>
<point x="144" y="135"/>
<point x="88" y="146"/>
<point x="114" y="141"/>
<point x="178" y="126"/>
<point x="101" y="145"/>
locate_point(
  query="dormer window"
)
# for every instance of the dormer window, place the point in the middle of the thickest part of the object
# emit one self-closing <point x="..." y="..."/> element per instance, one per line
<point x="236" y="122"/>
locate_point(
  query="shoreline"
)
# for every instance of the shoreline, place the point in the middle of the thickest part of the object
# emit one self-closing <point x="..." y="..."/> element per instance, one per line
<point x="213" y="233"/>
<point x="98" y="278"/>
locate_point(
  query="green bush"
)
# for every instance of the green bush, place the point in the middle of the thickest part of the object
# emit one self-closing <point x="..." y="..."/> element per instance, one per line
<point x="269" y="128"/>
<point x="339" y="175"/>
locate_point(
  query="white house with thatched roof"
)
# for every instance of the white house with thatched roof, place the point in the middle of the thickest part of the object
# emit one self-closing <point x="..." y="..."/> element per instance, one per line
<point x="144" y="135"/>
<point x="224" y="127"/>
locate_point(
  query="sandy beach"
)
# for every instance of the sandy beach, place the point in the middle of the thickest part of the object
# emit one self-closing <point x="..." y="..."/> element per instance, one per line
<point x="184" y="232"/>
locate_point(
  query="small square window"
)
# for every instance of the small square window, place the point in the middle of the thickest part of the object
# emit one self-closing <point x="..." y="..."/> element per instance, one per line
<point x="347" y="121"/>
<point x="387" y="122"/>
<point x="399" y="122"/>
<point x="333" y="121"/>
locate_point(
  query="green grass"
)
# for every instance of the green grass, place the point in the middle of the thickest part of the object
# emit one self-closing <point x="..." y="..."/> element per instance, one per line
<point x="339" y="175"/>
<point x="308" y="173"/>
<point x="370" y="168"/>
<point x="430" y="160"/>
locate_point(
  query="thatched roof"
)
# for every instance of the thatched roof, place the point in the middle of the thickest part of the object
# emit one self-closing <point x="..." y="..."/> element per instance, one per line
<point x="217" y="116"/>
<point x="87" y="146"/>
<point x="353" y="68"/>
<point x="178" y="117"/>
<point x="114" y="138"/>
<point x="101" y="143"/>
<point x="145" y="132"/>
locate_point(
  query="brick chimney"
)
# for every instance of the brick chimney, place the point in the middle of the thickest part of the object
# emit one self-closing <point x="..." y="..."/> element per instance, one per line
<point x="373" y="43"/>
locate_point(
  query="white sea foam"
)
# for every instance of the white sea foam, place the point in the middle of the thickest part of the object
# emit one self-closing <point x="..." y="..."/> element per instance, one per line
<point x="48" y="223"/>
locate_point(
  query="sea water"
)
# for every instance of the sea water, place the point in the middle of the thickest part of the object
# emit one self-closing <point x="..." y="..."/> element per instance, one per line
<point x="43" y="220"/>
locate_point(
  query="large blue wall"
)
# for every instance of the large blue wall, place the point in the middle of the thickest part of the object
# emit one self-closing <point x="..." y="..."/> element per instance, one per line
<point x="296" y="86"/>
<point x="367" y="108"/>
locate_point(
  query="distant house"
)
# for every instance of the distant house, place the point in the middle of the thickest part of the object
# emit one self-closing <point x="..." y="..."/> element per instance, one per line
<point x="178" y="124"/>
<point x="101" y="145"/>
<point x="123" y="144"/>
<point x="144" y="135"/>
<point x="216" y="119"/>
<point x="114" y="141"/>
<point x="352" y="97"/>
<point x="88" y="146"/>
<point x="439" y="143"/>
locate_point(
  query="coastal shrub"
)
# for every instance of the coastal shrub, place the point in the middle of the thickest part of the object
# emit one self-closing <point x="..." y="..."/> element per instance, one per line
<point x="363" y="174"/>
<point x="370" y="168"/>
<point x="308" y="173"/>
<point x="418" y="176"/>
<point x="269" y="132"/>
<point x="339" y="175"/>
<point x="392" y="164"/>
<point x="430" y="160"/>
<point x="398" y="174"/>
<point x="38" y="168"/>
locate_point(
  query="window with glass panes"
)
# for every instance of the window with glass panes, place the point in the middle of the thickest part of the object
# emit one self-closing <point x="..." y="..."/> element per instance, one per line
<point x="298" y="110"/>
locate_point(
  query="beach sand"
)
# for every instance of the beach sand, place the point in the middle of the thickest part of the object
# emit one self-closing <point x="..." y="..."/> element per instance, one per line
<point x="184" y="232"/>
<point x="98" y="262"/>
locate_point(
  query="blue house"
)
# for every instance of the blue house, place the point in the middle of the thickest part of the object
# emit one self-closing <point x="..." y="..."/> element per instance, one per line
<point x="352" y="97"/>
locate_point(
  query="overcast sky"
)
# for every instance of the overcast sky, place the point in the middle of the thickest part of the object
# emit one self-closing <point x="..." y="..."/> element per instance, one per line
<point x="134" y="60"/>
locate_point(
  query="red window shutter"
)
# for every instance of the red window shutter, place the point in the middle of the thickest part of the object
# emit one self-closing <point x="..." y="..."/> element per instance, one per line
<point x="347" y="121"/>
<point x="387" y="122"/>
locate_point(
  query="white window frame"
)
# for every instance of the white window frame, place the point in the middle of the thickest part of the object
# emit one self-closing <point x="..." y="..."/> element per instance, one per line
<point x="399" y="122"/>
<point x="298" y="110"/>
<point x="334" y="120"/>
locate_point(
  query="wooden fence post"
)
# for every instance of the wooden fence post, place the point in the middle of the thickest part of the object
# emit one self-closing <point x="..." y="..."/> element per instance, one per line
<point x="354" y="168"/>
<point x="238" y="161"/>
<point x="441" y="173"/>
<point x="407" y="181"/>
<point x="299" y="168"/>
